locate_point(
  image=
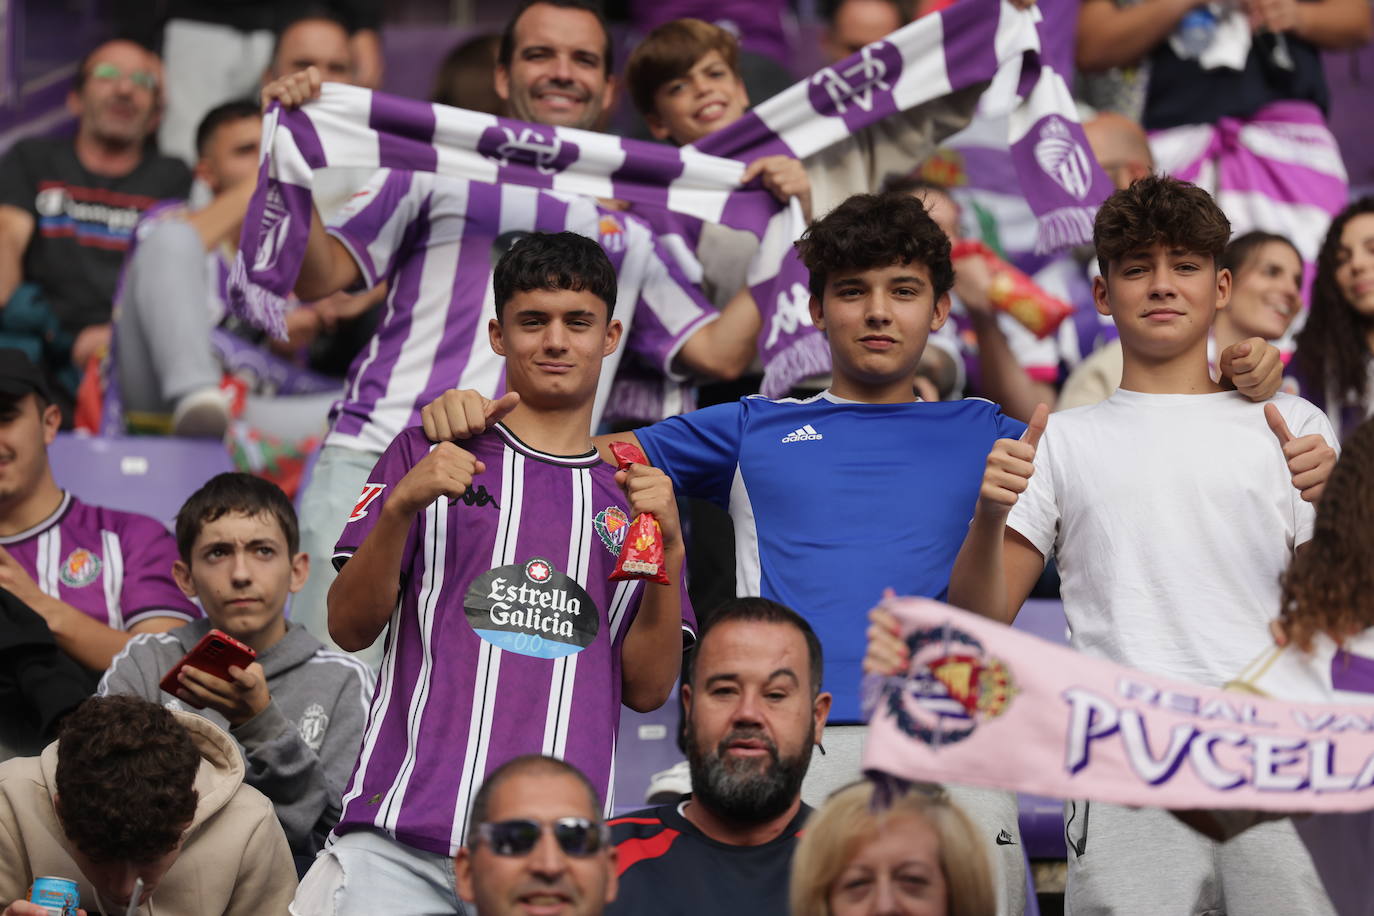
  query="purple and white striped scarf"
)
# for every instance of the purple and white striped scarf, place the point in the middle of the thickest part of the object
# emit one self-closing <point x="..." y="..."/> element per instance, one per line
<point x="960" y="47"/>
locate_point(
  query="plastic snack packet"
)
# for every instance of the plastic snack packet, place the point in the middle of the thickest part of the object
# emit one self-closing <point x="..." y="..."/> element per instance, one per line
<point x="641" y="556"/>
<point x="1013" y="292"/>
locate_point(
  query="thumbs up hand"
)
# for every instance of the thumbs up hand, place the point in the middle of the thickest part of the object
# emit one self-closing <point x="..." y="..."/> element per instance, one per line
<point x="1010" y="466"/>
<point x="1309" y="458"/>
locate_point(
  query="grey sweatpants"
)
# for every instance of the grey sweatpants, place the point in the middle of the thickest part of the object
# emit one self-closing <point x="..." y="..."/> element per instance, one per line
<point x="994" y="813"/>
<point x="1145" y="862"/>
<point x="162" y="328"/>
<point x="335" y="484"/>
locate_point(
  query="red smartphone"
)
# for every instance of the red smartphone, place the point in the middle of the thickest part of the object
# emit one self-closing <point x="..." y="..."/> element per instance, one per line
<point x="215" y="652"/>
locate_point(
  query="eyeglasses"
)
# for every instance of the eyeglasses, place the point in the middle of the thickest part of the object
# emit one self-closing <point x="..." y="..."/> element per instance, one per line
<point x="576" y="836"/>
<point x="143" y="79"/>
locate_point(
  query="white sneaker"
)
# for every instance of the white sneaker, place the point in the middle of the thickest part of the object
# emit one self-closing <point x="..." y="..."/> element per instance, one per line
<point x="202" y="414"/>
<point x="670" y="785"/>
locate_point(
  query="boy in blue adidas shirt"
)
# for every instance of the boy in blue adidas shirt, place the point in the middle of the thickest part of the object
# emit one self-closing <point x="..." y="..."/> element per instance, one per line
<point x="860" y="488"/>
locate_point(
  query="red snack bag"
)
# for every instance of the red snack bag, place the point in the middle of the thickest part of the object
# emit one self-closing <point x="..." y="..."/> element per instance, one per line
<point x="1015" y="293"/>
<point x="641" y="556"/>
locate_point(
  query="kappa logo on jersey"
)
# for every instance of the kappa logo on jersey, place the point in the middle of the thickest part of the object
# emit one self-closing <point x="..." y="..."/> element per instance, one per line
<point x="532" y="609"/>
<point x="477" y="497"/>
<point x="80" y="569"/>
<point x="611" y="232"/>
<point x="370" y="492"/>
<point x="802" y="434"/>
<point x="313" y="725"/>
<point x="611" y="524"/>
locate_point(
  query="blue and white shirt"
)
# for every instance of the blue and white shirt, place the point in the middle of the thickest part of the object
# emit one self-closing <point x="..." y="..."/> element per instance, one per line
<point x="834" y="500"/>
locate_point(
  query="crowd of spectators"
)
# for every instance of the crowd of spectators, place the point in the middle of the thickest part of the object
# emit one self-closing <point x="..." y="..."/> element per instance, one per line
<point x="439" y="634"/>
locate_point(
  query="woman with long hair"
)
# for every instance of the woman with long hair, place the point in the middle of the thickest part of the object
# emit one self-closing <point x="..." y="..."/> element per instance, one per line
<point x="1334" y="362"/>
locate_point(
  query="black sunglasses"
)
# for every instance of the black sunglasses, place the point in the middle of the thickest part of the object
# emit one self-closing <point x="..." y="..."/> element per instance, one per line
<point x="576" y="836"/>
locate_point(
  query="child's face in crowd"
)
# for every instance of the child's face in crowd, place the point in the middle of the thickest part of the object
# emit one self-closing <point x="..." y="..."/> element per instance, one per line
<point x="709" y="97"/>
<point x="557" y="72"/>
<point x="242" y="572"/>
<point x="554" y="342"/>
<point x="897" y="873"/>
<point x="1355" y="264"/>
<point x="877" y="321"/>
<point x="1268" y="291"/>
<point x="1162" y="299"/>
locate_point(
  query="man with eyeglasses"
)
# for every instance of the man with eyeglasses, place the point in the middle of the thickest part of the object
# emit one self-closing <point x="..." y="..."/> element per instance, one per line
<point x="68" y="209"/>
<point x="537" y="843"/>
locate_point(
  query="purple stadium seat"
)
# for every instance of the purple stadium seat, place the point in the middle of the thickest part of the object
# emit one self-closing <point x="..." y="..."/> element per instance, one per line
<point x="647" y="745"/>
<point x="144" y="474"/>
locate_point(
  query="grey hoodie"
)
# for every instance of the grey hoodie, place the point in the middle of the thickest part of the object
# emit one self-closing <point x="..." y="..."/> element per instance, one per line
<point x="300" y="750"/>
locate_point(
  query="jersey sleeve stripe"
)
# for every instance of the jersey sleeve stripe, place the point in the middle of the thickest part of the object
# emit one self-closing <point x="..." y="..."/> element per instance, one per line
<point x="634" y="851"/>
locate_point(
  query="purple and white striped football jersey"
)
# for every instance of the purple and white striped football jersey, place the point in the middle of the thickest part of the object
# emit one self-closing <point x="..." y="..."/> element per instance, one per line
<point x="436" y="239"/>
<point x="115" y="567"/>
<point x="506" y="639"/>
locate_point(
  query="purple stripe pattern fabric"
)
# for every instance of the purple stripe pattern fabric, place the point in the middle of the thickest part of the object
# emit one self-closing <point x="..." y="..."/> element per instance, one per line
<point x="960" y="47"/>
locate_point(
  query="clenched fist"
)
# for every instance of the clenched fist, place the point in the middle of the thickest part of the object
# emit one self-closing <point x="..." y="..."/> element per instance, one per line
<point x="446" y="471"/>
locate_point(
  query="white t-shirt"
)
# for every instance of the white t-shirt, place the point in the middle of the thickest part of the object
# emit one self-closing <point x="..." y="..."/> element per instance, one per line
<point x="1341" y="845"/>
<point x="1171" y="517"/>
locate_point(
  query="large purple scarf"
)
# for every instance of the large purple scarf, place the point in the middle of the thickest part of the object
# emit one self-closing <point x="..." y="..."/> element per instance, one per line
<point x="963" y="46"/>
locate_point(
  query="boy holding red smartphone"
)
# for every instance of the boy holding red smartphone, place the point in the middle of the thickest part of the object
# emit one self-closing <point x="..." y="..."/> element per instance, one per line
<point x="297" y="712"/>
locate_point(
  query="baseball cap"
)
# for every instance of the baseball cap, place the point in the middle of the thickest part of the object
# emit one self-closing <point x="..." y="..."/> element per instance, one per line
<point x="19" y="376"/>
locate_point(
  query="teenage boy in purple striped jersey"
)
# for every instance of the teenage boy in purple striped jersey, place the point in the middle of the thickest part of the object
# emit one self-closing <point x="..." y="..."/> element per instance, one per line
<point x="491" y="563"/>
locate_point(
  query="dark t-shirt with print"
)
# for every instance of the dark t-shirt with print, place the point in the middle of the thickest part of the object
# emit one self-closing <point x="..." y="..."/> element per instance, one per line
<point x="670" y="868"/>
<point x="82" y="221"/>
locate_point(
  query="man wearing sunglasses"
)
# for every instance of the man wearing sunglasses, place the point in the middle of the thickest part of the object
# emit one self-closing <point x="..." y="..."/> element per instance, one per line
<point x="537" y="843"/>
<point x="68" y="209"/>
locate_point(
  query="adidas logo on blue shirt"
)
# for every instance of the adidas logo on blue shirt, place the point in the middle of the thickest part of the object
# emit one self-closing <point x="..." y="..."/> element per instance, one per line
<point x="803" y="434"/>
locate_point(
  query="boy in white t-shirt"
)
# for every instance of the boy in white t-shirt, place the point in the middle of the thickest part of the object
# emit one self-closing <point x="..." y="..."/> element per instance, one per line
<point x="1172" y="511"/>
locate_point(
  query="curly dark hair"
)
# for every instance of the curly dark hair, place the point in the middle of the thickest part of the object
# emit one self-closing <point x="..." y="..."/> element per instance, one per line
<point x="1157" y="210"/>
<point x="554" y="260"/>
<point x="871" y="231"/>
<point x="126" y="772"/>
<point x="1329" y="587"/>
<point x="1331" y="349"/>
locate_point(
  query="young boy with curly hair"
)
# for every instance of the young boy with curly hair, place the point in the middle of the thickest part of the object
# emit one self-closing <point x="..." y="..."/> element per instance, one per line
<point x="134" y="791"/>
<point x="1172" y="508"/>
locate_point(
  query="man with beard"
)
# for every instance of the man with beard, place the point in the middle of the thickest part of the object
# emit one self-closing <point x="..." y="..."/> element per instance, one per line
<point x="753" y="710"/>
<point x="68" y="209"/>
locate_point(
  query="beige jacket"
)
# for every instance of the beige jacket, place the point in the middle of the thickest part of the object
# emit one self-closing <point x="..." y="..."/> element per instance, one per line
<point x="234" y="861"/>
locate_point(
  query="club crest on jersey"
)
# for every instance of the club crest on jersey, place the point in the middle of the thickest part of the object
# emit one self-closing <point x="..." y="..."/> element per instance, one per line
<point x="610" y="524"/>
<point x="370" y="492"/>
<point x="952" y="686"/>
<point x="81" y="568"/>
<point x="611" y="232"/>
<point x="532" y="609"/>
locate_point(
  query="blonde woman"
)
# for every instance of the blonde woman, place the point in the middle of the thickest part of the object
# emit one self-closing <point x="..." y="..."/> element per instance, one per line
<point x="919" y="857"/>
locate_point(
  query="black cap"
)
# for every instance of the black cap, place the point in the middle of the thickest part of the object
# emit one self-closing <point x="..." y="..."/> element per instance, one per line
<point x="19" y="376"/>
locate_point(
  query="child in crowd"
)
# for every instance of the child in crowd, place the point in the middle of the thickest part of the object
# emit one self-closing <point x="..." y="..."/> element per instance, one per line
<point x="297" y="712"/>
<point x="1334" y="361"/>
<point x="1172" y="511"/>
<point x="492" y="566"/>
<point x="1325" y="652"/>
<point x="1266" y="295"/>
